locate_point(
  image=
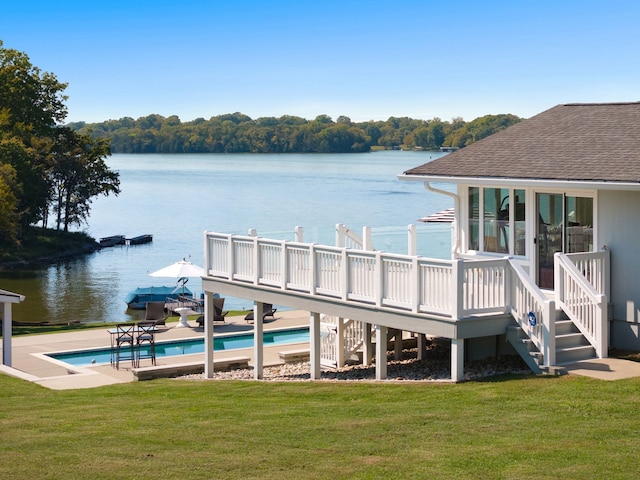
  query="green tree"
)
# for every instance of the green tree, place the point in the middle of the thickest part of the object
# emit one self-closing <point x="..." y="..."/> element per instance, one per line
<point x="78" y="173"/>
<point x="8" y="206"/>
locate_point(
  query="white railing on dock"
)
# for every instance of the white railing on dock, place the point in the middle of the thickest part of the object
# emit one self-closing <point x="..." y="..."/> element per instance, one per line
<point x="579" y="288"/>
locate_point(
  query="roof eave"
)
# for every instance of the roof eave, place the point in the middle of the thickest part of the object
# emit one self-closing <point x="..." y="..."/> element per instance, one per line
<point x="524" y="182"/>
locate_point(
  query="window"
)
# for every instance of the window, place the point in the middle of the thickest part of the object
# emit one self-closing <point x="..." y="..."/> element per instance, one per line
<point x="497" y="216"/>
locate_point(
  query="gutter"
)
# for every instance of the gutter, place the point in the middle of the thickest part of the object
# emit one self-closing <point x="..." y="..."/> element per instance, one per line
<point x="525" y="182"/>
<point x="455" y="249"/>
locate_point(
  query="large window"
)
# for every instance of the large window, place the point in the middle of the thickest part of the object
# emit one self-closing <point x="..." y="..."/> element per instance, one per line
<point x="497" y="220"/>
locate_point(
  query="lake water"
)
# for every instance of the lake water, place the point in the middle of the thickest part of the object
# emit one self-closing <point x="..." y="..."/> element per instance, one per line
<point x="178" y="197"/>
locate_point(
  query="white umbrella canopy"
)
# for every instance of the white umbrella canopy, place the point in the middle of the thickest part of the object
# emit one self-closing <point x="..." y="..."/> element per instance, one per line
<point x="181" y="269"/>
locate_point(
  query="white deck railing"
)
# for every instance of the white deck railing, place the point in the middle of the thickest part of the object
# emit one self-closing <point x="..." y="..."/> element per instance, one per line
<point x="417" y="284"/>
<point x="580" y="291"/>
<point x="456" y="289"/>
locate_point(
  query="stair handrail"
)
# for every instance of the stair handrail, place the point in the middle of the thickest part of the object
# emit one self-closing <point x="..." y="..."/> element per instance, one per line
<point x="533" y="311"/>
<point x="582" y="303"/>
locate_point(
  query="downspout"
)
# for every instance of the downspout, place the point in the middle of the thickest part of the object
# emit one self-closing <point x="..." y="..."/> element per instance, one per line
<point x="455" y="249"/>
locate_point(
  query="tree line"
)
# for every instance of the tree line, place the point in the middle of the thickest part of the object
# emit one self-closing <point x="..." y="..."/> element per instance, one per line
<point x="238" y="133"/>
<point x="47" y="170"/>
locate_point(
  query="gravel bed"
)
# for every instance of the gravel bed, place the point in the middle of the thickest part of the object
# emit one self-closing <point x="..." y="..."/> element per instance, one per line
<point x="435" y="367"/>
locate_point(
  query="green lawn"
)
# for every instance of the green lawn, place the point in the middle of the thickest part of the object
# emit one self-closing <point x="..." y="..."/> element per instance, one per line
<point x="508" y="428"/>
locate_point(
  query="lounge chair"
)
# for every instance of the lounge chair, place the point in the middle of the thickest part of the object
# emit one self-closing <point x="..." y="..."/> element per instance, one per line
<point x="218" y="313"/>
<point x="268" y="311"/>
<point x="156" y="311"/>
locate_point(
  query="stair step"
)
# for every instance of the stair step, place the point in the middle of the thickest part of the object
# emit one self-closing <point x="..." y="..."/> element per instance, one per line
<point x="570" y="340"/>
<point x="565" y="326"/>
<point x="575" y="354"/>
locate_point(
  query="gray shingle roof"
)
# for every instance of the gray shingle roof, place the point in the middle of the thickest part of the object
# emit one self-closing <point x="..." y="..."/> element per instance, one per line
<point x="573" y="142"/>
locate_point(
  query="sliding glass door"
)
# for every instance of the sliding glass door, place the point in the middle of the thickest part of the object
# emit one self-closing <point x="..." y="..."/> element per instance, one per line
<point x="564" y="224"/>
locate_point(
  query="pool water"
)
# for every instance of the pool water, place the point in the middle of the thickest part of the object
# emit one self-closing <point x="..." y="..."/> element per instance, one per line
<point x="86" y="358"/>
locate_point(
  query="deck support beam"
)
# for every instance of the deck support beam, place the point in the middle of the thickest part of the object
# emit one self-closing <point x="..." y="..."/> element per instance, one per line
<point x="381" y="352"/>
<point x="367" y="347"/>
<point x="422" y="346"/>
<point x="258" y="340"/>
<point x="457" y="359"/>
<point x="397" y="344"/>
<point x="208" y="335"/>
<point x="314" y="350"/>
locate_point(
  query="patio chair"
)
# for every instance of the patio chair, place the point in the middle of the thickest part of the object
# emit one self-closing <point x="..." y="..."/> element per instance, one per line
<point x="218" y="313"/>
<point x="268" y="311"/>
<point x="124" y="344"/>
<point x="156" y="311"/>
<point x="146" y="336"/>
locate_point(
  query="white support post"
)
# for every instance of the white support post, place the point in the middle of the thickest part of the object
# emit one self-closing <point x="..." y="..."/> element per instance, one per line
<point x="457" y="359"/>
<point x="6" y="334"/>
<point x="208" y="334"/>
<point x="381" y="352"/>
<point x="340" y="342"/>
<point x="314" y="347"/>
<point x="412" y="246"/>
<point x="367" y="347"/>
<point x="299" y="234"/>
<point x="258" y="340"/>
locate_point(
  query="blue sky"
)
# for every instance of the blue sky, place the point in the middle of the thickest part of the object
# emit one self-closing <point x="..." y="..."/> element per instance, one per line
<point x="368" y="59"/>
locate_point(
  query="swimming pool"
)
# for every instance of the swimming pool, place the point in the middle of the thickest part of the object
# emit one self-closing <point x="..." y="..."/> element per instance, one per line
<point x="97" y="356"/>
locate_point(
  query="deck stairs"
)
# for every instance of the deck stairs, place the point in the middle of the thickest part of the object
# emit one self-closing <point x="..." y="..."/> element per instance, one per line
<point x="571" y="345"/>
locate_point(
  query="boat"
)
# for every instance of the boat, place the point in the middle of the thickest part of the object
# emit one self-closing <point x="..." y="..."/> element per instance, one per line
<point x="138" y="298"/>
<point x="140" y="239"/>
<point x="112" y="240"/>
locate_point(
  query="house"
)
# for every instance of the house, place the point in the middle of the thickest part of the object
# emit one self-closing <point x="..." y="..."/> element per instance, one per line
<point x="547" y="216"/>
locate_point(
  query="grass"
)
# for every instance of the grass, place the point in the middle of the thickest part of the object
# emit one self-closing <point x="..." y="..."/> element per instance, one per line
<point x="511" y="427"/>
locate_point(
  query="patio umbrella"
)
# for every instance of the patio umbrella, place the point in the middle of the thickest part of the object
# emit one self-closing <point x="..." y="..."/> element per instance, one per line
<point x="181" y="270"/>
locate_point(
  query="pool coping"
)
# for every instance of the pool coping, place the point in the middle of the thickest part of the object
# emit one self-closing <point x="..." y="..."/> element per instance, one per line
<point x="31" y="363"/>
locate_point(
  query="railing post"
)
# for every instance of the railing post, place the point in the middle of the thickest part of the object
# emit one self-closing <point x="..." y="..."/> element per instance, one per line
<point x="549" y="333"/>
<point x="607" y="272"/>
<point x="345" y="275"/>
<point x="313" y="280"/>
<point x="256" y="262"/>
<point x="602" y="327"/>
<point x="232" y="257"/>
<point x="415" y="285"/>
<point x="558" y="277"/>
<point x="379" y="279"/>
<point x="366" y="238"/>
<point x="283" y="267"/>
<point x="457" y="288"/>
<point x="207" y="265"/>
<point x="412" y="240"/>
<point x="339" y="235"/>
<point x="299" y="234"/>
